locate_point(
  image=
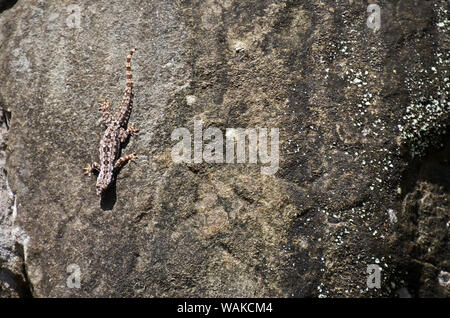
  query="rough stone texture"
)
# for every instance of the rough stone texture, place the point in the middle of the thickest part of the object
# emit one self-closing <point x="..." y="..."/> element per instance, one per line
<point x="13" y="276"/>
<point x="424" y="225"/>
<point x="360" y="114"/>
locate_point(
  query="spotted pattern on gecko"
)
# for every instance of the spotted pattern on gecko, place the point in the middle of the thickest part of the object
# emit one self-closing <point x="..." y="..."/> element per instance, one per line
<point x="115" y="135"/>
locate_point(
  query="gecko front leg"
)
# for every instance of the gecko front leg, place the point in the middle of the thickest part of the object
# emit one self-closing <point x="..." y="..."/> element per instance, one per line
<point x="125" y="133"/>
<point x="124" y="160"/>
<point x="95" y="167"/>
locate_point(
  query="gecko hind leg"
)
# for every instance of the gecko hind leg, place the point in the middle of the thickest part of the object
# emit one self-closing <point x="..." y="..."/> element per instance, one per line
<point x="122" y="161"/>
<point x="125" y="133"/>
<point x="95" y="167"/>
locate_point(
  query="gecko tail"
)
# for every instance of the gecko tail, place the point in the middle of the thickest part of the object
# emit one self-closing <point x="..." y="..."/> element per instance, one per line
<point x="129" y="74"/>
<point x="123" y="113"/>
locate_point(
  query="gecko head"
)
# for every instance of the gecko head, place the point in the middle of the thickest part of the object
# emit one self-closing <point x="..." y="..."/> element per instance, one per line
<point x="104" y="180"/>
<point x="100" y="189"/>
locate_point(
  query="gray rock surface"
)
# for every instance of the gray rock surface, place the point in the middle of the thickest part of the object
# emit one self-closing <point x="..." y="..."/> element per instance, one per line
<point x="363" y="176"/>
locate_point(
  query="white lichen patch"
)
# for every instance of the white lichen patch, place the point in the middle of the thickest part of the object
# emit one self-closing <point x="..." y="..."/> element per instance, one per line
<point x="392" y="216"/>
<point x="191" y="99"/>
<point x="426" y="114"/>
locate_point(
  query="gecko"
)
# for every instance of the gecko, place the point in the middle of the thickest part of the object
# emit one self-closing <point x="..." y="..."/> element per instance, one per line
<point x="115" y="135"/>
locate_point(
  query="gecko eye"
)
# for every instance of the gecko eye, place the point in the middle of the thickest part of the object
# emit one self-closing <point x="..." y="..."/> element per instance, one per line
<point x="100" y="190"/>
